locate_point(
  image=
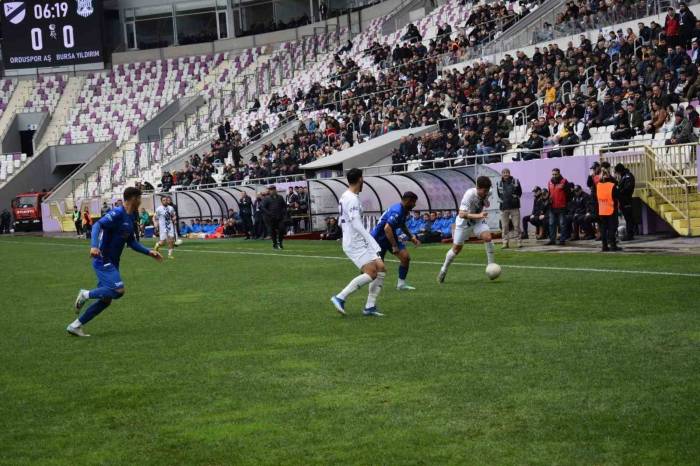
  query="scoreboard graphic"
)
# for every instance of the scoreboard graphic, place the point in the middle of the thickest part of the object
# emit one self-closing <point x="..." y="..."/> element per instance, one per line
<point x="49" y="34"/>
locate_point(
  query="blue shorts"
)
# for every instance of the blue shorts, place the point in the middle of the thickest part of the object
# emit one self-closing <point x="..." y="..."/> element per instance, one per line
<point x="107" y="275"/>
<point x="386" y="246"/>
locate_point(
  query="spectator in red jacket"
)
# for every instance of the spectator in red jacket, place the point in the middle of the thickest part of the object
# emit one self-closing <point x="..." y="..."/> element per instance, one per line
<point x="672" y="28"/>
<point x="559" y="194"/>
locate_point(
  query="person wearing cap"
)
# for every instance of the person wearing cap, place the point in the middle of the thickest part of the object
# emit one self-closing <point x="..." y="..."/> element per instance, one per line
<point x="539" y="215"/>
<point x="509" y="193"/>
<point x="682" y="132"/>
<point x="582" y="214"/>
<point x="274" y="210"/>
<point x="625" y="189"/>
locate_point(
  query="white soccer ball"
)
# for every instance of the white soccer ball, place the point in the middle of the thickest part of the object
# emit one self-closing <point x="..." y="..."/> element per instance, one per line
<point x="493" y="271"/>
<point x="178" y="242"/>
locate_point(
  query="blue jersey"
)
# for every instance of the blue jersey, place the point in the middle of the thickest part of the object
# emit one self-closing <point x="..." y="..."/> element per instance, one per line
<point x="110" y="233"/>
<point x="395" y="216"/>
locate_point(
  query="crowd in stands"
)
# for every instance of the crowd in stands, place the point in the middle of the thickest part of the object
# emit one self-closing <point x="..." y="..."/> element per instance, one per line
<point x="633" y="81"/>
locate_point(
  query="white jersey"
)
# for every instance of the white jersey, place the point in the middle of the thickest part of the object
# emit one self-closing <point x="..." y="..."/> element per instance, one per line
<point x="358" y="243"/>
<point x="473" y="204"/>
<point x="165" y="216"/>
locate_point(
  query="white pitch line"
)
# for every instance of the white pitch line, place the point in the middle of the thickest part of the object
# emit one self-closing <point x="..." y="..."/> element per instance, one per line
<point x="463" y="264"/>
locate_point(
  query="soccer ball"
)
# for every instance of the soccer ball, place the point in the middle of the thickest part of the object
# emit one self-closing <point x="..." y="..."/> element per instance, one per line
<point x="493" y="271"/>
<point x="178" y="242"/>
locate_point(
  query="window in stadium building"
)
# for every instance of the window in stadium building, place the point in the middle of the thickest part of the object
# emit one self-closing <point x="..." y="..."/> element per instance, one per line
<point x="154" y="27"/>
<point x="200" y="21"/>
<point x="257" y="19"/>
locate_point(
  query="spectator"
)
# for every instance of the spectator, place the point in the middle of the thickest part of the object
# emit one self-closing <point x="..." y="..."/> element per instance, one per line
<point x="166" y="181"/>
<point x="559" y="191"/>
<point x="144" y="221"/>
<point x="103" y="211"/>
<point x="533" y="145"/>
<point x="582" y="214"/>
<point x="274" y="210"/>
<point x="245" y="205"/>
<point x="87" y="221"/>
<point x="686" y="22"/>
<point x="77" y="221"/>
<point x="258" y="220"/>
<point x="509" y="193"/>
<point x="333" y="231"/>
<point x="5" y="222"/>
<point x="682" y="130"/>
<point x="625" y="190"/>
<point x="607" y="195"/>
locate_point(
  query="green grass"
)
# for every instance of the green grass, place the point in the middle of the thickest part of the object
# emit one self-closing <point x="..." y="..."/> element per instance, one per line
<point x="218" y="358"/>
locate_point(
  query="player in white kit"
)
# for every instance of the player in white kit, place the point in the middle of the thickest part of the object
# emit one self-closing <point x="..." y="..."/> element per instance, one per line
<point x="471" y="219"/>
<point x="360" y="247"/>
<point x="165" y="214"/>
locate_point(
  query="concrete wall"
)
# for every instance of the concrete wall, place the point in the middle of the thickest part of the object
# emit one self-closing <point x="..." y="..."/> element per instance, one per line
<point x="91" y="155"/>
<point x="370" y="153"/>
<point x="12" y="142"/>
<point x="36" y="175"/>
<point x="74" y="154"/>
<point x="172" y="112"/>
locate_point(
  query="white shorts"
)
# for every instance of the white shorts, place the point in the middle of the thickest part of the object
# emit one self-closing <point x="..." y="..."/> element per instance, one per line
<point x="166" y="233"/>
<point x="463" y="232"/>
<point x="361" y="256"/>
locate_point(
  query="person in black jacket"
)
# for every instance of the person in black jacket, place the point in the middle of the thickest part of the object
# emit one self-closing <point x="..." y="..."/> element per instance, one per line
<point x="582" y="214"/>
<point x="534" y="145"/>
<point x="333" y="231"/>
<point x="245" y="205"/>
<point x="509" y="193"/>
<point x="625" y="189"/>
<point x="538" y="217"/>
<point x="274" y="210"/>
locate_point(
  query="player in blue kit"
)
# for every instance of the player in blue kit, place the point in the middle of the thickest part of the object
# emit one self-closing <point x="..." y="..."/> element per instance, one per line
<point x="109" y="235"/>
<point x="385" y="232"/>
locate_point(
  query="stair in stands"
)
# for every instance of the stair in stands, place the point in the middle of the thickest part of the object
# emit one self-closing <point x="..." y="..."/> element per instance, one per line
<point x="674" y="218"/>
<point x="61" y="113"/>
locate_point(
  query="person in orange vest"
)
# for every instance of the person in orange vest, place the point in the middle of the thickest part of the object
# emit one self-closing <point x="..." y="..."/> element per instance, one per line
<point x="608" y="197"/>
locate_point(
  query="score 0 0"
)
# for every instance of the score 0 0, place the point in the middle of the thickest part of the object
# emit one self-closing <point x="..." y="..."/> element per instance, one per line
<point x="38" y="37"/>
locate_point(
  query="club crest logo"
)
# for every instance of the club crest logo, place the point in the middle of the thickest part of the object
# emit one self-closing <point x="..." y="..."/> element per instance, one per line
<point x="85" y="8"/>
<point x="15" y="12"/>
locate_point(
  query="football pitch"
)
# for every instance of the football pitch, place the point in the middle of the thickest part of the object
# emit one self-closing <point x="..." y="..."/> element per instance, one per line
<point x="233" y="354"/>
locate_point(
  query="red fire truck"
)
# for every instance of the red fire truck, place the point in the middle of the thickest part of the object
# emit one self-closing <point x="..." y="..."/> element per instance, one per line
<point x="26" y="210"/>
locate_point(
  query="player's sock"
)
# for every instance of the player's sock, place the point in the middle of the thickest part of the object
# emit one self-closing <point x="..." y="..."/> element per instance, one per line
<point x="354" y="285"/>
<point x="403" y="273"/>
<point x="374" y="289"/>
<point x="93" y="311"/>
<point x="489" y="252"/>
<point x="449" y="257"/>
<point x="76" y="323"/>
<point x="170" y="252"/>
<point x="103" y="293"/>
